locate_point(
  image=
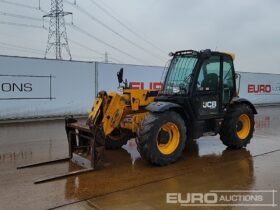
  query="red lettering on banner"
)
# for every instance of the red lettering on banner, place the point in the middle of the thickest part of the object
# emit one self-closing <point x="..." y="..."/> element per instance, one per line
<point x="156" y="86"/>
<point x="140" y="85"/>
<point x="250" y="88"/>
<point x="136" y="85"/>
<point x="262" y="88"/>
<point x="268" y="88"/>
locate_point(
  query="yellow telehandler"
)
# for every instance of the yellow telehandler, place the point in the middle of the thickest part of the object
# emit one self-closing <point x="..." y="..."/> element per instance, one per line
<point x="199" y="97"/>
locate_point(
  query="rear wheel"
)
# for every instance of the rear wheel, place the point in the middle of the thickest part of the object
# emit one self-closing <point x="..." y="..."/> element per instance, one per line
<point x="161" y="138"/>
<point x="238" y="126"/>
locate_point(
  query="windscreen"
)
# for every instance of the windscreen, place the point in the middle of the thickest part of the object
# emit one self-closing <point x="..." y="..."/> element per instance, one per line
<point x="179" y="74"/>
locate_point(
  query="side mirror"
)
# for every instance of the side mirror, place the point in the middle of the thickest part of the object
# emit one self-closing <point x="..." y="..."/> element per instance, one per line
<point x="120" y="76"/>
<point x="238" y="76"/>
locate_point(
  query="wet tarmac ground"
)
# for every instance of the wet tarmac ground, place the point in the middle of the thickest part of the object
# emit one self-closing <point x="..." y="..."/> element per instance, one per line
<point x="129" y="182"/>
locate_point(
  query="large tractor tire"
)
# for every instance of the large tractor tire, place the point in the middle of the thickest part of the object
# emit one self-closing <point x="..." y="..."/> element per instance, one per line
<point x="161" y="138"/>
<point x="117" y="139"/>
<point x="238" y="126"/>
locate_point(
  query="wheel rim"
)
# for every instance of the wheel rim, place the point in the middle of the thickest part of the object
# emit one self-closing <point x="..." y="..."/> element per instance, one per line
<point x="243" y="126"/>
<point x="168" y="138"/>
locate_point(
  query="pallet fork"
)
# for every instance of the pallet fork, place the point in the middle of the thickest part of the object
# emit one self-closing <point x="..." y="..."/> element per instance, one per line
<point x="82" y="151"/>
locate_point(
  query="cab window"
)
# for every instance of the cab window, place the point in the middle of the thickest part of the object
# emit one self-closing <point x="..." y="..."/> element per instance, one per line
<point x="209" y="75"/>
<point x="227" y="80"/>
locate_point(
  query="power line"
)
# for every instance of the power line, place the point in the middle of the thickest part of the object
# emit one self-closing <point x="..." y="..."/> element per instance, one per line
<point x="21" y="47"/>
<point x="40" y="7"/>
<point x="20" y="24"/>
<point x="115" y="32"/>
<point x="92" y="50"/>
<point x="24" y="49"/>
<point x="105" y="43"/>
<point x="41" y="53"/>
<point x="116" y="60"/>
<point x="85" y="58"/>
<point x="85" y="47"/>
<point x="125" y="26"/>
<point x="36" y="26"/>
<point x="35" y="51"/>
<point x="19" y="4"/>
<point x="16" y="47"/>
<point x="17" y="50"/>
<point x="20" y="16"/>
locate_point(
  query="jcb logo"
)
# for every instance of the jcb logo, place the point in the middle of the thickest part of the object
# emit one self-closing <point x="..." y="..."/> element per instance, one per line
<point x="209" y="104"/>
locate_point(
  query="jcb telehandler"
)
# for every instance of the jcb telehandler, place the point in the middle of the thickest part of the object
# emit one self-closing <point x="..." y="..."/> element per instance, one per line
<point x="199" y="97"/>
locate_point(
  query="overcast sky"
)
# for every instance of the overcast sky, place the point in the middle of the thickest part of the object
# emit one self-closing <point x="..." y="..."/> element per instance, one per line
<point x="249" y="28"/>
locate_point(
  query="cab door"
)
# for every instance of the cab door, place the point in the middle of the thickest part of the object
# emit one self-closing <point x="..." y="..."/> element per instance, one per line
<point x="229" y="86"/>
<point x="207" y="88"/>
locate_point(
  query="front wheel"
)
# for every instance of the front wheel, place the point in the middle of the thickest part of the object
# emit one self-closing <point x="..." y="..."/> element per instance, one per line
<point x="162" y="137"/>
<point x="238" y="126"/>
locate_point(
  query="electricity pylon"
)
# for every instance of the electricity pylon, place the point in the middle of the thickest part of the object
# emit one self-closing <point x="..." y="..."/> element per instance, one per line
<point x="57" y="37"/>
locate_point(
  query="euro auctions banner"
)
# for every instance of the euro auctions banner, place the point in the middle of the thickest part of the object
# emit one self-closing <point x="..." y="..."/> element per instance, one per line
<point x="31" y="87"/>
<point x="260" y="88"/>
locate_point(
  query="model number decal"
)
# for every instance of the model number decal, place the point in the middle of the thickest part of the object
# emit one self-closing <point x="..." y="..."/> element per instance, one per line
<point x="209" y="104"/>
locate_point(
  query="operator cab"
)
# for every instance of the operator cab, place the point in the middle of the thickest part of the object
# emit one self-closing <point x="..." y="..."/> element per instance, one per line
<point x="201" y="85"/>
<point x="200" y="81"/>
<point x="205" y="68"/>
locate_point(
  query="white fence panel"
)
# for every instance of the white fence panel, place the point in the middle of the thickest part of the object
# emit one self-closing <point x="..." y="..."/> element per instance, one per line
<point x="260" y="88"/>
<point x="32" y="87"/>
<point x="37" y="87"/>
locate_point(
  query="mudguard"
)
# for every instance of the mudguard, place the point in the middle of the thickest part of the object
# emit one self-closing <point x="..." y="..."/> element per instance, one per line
<point x="245" y="101"/>
<point x="161" y="106"/>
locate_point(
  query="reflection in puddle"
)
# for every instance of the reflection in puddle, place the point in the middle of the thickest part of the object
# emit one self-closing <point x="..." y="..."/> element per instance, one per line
<point x="131" y="148"/>
<point x="204" y="165"/>
<point x="228" y="170"/>
<point x="14" y="156"/>
<point x="262" y="122"/>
